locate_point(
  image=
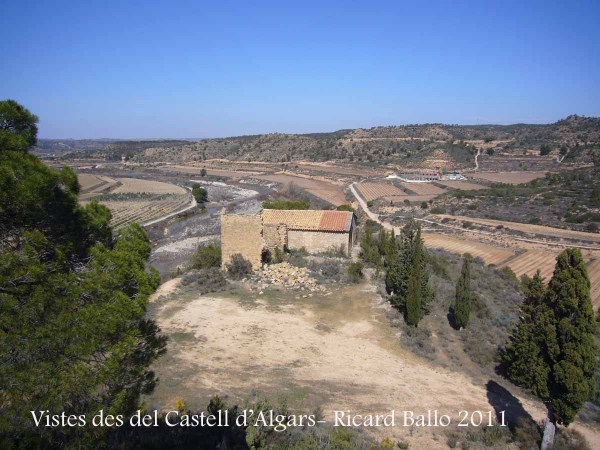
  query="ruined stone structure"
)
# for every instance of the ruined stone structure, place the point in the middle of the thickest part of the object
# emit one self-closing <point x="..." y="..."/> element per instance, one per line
<point x="315" y="231"/>
<point x="241" y="234"/>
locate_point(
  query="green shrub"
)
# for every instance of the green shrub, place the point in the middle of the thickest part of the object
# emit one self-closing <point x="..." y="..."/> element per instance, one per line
<point x="207" y="256"/>
<point x="200" y="194"/>
<point x="355" y="272"/>
<point x="238" y="267"/>
<point x="345" y="208"/>
<point x="424" y="205"/>
<point x="509" y="275"/>
<point x="437" y="210"/>
<point x="286" y="204"/>
<point x="204" y="281"/>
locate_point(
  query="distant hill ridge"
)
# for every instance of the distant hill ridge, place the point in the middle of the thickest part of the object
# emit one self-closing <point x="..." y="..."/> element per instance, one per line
<point x="408" y="145"/>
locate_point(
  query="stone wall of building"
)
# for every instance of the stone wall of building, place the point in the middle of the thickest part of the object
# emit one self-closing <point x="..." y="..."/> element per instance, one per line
<point x="317" y="241"/>
<point x="242" y="234"/>
<point x="275" y="236"/>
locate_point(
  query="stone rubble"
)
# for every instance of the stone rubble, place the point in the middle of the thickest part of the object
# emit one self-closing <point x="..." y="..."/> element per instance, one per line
<point x="286" y="275"/>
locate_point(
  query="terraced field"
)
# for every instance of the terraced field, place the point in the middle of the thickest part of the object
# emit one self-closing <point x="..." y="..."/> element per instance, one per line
<point x="325" y="190"/>
<point x="533" y="230"/>
<point x="93" y="185"/>
<point x="372" y="191"/>
<point x="531" y="261"/>
<point x="594" y="274"/>
<point x="463" y="185"/>
<point x="527" y="263"/>
<point x="136" y="186"/>
<point x="133" y="200"/>
<point x="195" y="170"/>
<point x="423" y="188"/>
<point x="141" y="212"/>
<point x="490" y="254"/>
<point x="508" y="177"/>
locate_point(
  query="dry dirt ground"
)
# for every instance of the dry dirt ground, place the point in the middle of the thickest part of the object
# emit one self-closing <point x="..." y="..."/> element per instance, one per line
<point x="541" y="230"/>
<point x="326" y="190"/>
<point x="507" y="177"/>
<point x="337" y="351"/>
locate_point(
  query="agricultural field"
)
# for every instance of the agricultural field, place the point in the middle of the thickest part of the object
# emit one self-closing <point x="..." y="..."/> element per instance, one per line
<point x="507" y="177"/>
<point x="490" y="254"/>
<point x="93" y="185"/>
<point x="372" y="191"/>
<point x="423" y="188"/>
<point x="531" y="261"/>
<point x="594" y="274"/>
<point x="134" y="200"/>
<point x="336" y="169"/>
<point x="539" y="231"/>
<point x="137" y="186"/>
<point x="126" y="212"/>
<point x="462" y="185"/>
<point x="211" y="171"/>
<point x="325" y="190"/>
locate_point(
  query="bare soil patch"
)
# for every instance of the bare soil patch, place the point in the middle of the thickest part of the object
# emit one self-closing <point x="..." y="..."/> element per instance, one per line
<point x="507" y="177"/>
<point x="336" y="351"/>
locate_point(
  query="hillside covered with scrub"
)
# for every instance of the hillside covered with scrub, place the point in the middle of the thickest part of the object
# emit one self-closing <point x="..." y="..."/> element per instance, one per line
<point x="575" y="138"/>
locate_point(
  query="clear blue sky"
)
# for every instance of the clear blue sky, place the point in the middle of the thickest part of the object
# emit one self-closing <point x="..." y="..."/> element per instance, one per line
<point x="131" y="69"/>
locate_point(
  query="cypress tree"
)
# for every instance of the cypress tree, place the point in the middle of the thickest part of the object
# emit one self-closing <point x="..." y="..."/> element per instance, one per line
<point x="464" y="296"/>
<point x="407" y="276"/>
<point x="524" y="358"/>
<point x="414" y="310"/>
<point x="573" y="360"/>
<point x="553" y="350"/>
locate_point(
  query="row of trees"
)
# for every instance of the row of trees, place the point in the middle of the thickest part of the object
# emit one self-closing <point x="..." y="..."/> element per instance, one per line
<point x="404" y="260"/>
<point x="552" y="351"/>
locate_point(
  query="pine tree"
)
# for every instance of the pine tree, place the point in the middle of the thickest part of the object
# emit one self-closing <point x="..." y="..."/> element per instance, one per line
<point x="463" y="296"/>
<point x="553" y="350"/>
<point x="73" y="336"/>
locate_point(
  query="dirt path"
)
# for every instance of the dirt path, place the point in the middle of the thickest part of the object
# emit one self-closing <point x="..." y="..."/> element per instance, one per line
<point x="477" y="159"/>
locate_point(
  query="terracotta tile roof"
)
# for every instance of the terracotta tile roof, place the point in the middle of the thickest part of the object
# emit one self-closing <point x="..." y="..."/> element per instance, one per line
<point x="335" y="221"/>
<point x="309" y="220"/>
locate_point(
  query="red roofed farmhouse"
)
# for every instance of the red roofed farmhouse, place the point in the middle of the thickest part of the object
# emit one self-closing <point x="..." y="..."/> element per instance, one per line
<point x="254" y="235"/>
